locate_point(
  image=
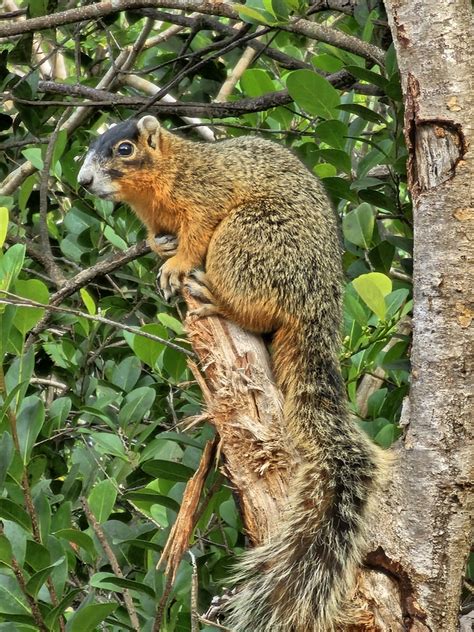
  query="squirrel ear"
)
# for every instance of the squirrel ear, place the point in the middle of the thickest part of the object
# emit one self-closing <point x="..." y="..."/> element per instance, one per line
<point x="149" y="126"/>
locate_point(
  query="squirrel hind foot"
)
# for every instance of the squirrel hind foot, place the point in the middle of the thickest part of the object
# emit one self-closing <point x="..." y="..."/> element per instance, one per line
<point x="196" y="283"/>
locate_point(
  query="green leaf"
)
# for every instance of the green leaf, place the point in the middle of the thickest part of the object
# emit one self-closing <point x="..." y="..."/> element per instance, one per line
<point x="149" y="496"/>
<point x="11" y="511"/>
<point x="372" y="288"/>
<point x="54" y="614"/>
<point x="174" y="364"/>
<point x="87" y="618"/>
<point x="256" y="82"/>
<point x="358" y="225"/>
<point x="375" y="402"/>
<point x="332" y="133"/>
<point x="354" y="309"/>
<point x="37" y="579"/>
<point x="59" y="146"/>
<point x="27" y="317"/>
<point x="313" y="93"/>
<point x="149" y="350"/>
<point x="88" y="301"/>
<point x="6" y="553"/>
<point x="369" y="76"/>
<point x="12" y="600"/>
<point x="11" y="263"/>
<point x="180" y="437"/>
<point x="362" y="112"/>
<point x="340" y="189"/>
<point x="324" y="170"/>
<point x="115" y="240"/>
<point x="228" y="512"/>
<point x="126" y="374"/>
<point x="168" y="470"/>
<point x="327" y="62"/>
<point x="25" y="191"/>
<point x="253" y="16"/>
<point x="137" y="404"/>
<point x="102" y="499"/>
<point x="381" y="257"/>
<point x="33" y="154"/>
<point x="37" y="556"/>
<point x="340" y="159"/>
<point x="58" y="413"/>
<point x="29" y="423"/>
<point x="107" y="443"/>
<point x="3" y="224"/>
<point x="107" y="581"/>
<point x="378" y="199"/>
<point x="395" y="300"/>
<point x="7" y="450"/>
<point x="77" y="537"/>
<point x="388" y="435"/>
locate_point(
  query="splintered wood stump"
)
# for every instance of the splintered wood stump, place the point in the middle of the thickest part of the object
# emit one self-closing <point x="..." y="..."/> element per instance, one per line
<point x="245" y="407"/>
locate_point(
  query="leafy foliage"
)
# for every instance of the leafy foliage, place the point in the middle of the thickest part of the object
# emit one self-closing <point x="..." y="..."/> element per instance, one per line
<point x="92" y="413"/>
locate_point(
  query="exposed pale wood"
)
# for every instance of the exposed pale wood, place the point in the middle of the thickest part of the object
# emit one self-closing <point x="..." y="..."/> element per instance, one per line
<point x="180" y="533"/>
<point x="246" y="408"/>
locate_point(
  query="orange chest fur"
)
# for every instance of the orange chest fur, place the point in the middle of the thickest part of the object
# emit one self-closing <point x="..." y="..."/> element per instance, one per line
<point x="151" y="203"/>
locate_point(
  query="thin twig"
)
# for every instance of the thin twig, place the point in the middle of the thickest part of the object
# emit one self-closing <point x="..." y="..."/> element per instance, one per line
<point x="84" y="277"/>
<point x="53" y="269"/>
<point x="132" y="613"/>
<point x="18" y="301"/>
<point x="97" y="10"/>
<point x="35" y="611"/>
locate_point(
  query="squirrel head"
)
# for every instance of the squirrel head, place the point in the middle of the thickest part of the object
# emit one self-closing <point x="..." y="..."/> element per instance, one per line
<point x="123" y="160"/>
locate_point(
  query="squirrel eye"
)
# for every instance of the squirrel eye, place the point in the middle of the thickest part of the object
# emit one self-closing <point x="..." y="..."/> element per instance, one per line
<point x="125" y="149"/>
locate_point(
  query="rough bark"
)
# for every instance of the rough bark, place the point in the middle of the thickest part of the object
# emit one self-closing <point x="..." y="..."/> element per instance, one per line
<point x="425" y="516"/>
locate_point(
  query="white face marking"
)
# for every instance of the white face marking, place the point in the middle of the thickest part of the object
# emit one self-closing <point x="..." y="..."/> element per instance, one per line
<point x="94" y="179"/>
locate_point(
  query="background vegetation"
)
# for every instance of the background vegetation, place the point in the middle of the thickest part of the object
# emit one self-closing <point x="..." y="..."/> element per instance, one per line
<point x="95" y="389"/>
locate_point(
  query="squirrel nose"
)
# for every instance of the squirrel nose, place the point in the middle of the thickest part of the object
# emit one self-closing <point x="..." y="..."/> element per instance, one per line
<point x="85" y="178"/>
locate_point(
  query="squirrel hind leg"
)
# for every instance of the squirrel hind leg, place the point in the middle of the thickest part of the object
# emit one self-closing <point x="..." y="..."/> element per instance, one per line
<point x="197" y="284"/>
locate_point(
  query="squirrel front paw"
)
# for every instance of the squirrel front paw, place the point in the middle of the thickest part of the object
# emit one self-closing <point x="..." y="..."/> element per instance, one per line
<point x="170" y="277"/>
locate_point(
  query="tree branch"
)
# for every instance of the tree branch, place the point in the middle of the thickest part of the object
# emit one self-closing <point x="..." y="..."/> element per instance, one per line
<point x="101" y="9"/>
<point x="91" y="519"/>
<point x="18" y="301"/>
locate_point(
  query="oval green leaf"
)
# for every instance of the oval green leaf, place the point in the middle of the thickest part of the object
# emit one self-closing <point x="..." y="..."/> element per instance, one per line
<point x="102" y="499"/>
<point x="86" y="619"/>
<point x="358" y="225"/>
<point x="313" y="93"/>
<point x="372" y="288"/>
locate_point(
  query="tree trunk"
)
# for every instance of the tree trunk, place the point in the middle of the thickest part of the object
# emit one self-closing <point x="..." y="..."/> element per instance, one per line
<point x="425" y="515"/>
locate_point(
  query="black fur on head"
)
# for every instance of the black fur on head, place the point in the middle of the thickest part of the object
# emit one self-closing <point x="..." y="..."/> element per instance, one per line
<point x="104" y="144"/>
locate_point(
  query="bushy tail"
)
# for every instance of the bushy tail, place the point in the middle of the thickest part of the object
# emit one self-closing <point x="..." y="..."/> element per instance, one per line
<point x="298" y="581"/>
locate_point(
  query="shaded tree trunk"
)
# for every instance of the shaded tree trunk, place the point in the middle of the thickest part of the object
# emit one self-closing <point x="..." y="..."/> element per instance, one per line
<point x="426" y="516"/>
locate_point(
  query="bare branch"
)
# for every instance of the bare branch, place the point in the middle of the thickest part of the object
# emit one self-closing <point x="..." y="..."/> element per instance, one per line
<point x="51" y="266"/>
<point x="18" y="301"/>
<point x="238" y="70"/>
<point x="101" y="9"/>
<point x="91" y="519"/>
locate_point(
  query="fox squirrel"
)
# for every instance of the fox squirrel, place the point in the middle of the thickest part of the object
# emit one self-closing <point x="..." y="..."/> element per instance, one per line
<point x="261" y="226"/>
